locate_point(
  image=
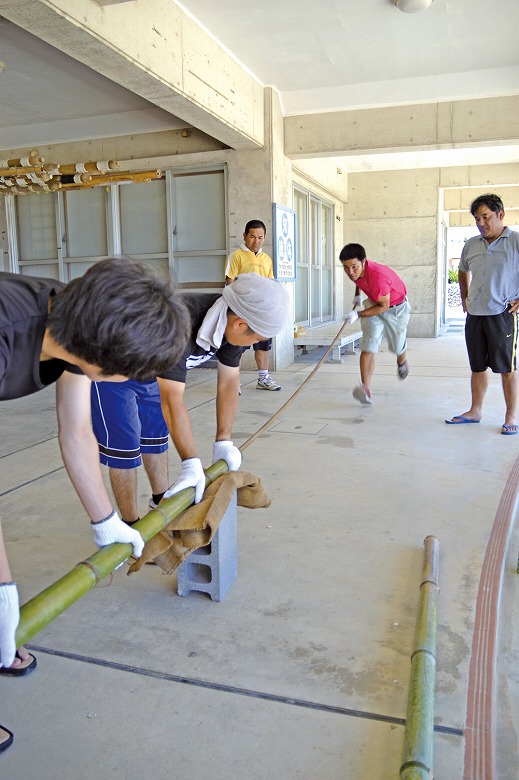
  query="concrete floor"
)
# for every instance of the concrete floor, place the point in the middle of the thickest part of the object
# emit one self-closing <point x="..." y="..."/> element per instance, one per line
<point x="302" y="670"/>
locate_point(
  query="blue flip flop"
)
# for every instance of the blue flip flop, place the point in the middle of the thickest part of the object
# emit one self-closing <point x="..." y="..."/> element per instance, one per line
<point x="459" y="419"/>
<point x="509" y="430"/>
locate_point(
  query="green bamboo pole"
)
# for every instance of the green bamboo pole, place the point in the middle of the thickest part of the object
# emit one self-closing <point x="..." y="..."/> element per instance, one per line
<point x="41" y="610"/>
<point x="417" y="758"/>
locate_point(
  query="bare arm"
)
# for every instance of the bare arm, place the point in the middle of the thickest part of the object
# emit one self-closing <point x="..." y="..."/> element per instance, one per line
<point x="78" y="445"/>
<point x="228" y="384"/>
<point x="464" y="282"/>
<point x="177" y="417"/>
<point x="379" y="307"/>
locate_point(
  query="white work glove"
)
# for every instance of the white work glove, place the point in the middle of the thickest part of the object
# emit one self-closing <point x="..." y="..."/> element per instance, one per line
<point x="113" y="529"/>
<point x="350" y="317"/>
<point x="192" y="475"/>
<point x="225" y="450"/>
<point x="357" y="301"/>
<point x="9" y="619"/>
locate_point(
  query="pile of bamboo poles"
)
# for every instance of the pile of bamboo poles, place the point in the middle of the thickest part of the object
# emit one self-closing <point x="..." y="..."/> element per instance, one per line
<point x="31" y="174"/>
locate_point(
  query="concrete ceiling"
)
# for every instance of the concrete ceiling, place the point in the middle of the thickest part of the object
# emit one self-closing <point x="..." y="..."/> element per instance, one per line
<point x="350" y="54"/>
<point x="319" y="57"/>
<point x="47" y="97"/>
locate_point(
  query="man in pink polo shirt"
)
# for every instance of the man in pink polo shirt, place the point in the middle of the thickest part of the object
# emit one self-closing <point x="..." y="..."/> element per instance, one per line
<point x="386" y="313"/>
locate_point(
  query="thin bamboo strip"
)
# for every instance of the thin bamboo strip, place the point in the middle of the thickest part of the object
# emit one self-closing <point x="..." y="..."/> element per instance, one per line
<point x="417" y="758"/>
<point x="38" y="189"/>
<point x="89" y="167"/>
<point x="76" y="178"/>
<point x="21" y="170"/>
<point x="32" y="158"/>
<point x="128" y="175"/>
<point x="38" y="178"/>
<point x="137" y="177"/>
<point x="41" y="610"/>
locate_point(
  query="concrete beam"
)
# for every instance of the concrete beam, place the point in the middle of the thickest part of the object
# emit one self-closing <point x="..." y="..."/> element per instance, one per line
<point x="460" y="199"/>
<point x="419" y="127"/>
<point x="157" y="51"/>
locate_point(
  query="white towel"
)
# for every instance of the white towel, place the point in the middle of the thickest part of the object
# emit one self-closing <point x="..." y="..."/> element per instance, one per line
<point x="211" y="332"/>
<point x="262" y="302"/>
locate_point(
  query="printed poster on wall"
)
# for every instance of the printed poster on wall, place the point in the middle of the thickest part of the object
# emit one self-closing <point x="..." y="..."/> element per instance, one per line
<point x="284" y="243"/>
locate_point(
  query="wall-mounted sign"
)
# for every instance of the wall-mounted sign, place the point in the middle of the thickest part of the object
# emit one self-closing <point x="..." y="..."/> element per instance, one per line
<point x="284" y="241"/>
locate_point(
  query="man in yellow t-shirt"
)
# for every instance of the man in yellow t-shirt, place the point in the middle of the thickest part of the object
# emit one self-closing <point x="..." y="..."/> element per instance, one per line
<point x="250" y="258"/>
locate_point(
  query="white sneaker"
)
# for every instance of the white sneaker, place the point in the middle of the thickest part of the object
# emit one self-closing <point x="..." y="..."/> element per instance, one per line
<point x="362" y="394"/>
<point x="239" y="390"/>
<point x="267" y="384"/>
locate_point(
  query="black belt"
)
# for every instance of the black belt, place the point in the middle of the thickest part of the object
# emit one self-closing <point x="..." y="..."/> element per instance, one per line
<point x="398" y="304"/>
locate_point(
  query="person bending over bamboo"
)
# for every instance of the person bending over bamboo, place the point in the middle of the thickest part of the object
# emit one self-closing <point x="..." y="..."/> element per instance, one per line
<point x="133" y="419"/>
<point x="116" y="321"/>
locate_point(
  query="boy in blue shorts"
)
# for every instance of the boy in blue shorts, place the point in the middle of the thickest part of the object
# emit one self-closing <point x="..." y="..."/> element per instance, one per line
<point x="134" y="419"/>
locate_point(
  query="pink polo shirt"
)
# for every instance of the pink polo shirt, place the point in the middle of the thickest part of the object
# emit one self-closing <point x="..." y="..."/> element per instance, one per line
<point x="379" y="280"/>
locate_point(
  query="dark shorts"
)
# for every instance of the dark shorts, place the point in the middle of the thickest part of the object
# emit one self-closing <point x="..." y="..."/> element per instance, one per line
<point x="263" y="346"/>
<point x="127" y="421"/>
<point x="492" y="342"/>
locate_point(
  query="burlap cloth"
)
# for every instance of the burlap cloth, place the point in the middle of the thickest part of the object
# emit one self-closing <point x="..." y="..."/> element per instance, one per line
<point x="196" y="525"/>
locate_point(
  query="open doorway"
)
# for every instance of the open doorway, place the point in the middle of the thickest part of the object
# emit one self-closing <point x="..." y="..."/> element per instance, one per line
<point x="456" y="238"/>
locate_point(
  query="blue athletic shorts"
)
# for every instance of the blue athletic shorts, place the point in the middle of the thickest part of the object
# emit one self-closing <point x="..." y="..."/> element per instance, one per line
<point x="127" y="421"/>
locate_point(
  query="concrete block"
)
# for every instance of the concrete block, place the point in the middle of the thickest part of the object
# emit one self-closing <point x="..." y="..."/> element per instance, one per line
<point x="214" y="568"/>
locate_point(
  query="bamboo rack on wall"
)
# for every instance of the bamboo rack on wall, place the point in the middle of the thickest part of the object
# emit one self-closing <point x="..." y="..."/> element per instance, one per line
<point x="32" y="175"/>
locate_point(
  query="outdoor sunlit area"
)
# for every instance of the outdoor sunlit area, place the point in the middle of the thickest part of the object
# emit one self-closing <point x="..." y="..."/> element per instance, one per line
<point x="456" y="238"/>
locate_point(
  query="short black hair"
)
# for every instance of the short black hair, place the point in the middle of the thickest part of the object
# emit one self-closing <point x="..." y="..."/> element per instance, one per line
<point x="255" y="223"/>
<point x="352" y="252"/>
<point x="491" y="201"/>
<point x="121" y="318"/>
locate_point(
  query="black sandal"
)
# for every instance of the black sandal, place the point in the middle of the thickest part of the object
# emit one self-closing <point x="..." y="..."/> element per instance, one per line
<point x="6" y="737"/>
<point x="26" y="667"/>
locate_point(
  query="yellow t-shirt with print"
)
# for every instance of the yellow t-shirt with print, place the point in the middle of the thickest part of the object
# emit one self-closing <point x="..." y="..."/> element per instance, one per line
<point x="243" y="261"/>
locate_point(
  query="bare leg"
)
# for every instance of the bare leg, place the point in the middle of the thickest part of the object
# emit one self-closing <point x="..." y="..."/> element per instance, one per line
<point x="400" y="359"/>
<point x="478" y="390"/>
<point x="262" y="359"/>
<point x="156" y="466"/>
<point x="511" y="393"/>
<point x="367" y="368"/>
<point x="124" y="486"/>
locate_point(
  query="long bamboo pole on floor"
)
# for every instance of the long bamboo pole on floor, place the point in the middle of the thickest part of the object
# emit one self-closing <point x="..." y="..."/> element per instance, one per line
<point x="417" y="757"/>
<point x="41" y="610"/>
